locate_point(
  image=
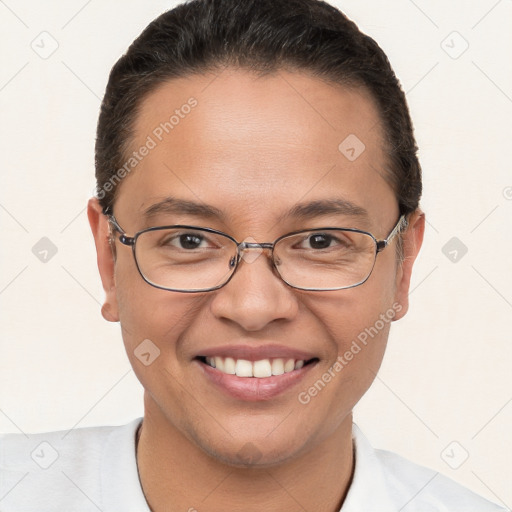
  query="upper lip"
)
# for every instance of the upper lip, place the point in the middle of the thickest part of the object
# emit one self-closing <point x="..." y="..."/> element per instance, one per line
<point x="256" y="353"/>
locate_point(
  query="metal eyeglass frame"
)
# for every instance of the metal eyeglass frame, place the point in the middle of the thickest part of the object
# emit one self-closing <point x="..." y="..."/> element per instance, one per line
<point x="380" y="245"/>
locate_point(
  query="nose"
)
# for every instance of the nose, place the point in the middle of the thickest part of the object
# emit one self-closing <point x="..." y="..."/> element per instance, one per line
<point x="255" y="296"/>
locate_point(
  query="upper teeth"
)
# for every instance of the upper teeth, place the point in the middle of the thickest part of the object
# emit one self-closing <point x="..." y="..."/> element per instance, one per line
<point x="260" y="369"/>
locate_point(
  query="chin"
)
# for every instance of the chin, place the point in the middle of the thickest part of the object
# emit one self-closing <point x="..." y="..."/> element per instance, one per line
<point x="253" y="455"/>
<point x="254" y="451"/>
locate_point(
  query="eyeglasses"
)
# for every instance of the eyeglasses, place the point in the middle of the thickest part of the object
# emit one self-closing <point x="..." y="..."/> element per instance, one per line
<point x="195" y="259"/>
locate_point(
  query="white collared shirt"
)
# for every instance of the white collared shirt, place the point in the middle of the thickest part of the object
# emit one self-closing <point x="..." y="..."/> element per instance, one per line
<point x="95" y="469"/>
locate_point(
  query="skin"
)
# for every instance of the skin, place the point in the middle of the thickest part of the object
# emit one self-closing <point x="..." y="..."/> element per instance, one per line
<point x="253" y="148"/>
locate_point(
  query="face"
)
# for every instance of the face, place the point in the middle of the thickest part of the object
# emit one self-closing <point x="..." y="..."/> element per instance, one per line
<point x="252" y="149"/>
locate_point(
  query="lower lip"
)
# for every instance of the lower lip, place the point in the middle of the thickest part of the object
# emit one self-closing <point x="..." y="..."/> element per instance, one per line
<point x="254" y="389"/>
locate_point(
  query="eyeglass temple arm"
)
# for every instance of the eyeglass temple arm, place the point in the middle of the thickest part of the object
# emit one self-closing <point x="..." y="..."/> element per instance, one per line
<point x="126" y="240"/>
<point x="401" y="224"/>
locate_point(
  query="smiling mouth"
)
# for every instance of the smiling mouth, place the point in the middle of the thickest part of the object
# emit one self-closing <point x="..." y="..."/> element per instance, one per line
<point x="256" y="369"/>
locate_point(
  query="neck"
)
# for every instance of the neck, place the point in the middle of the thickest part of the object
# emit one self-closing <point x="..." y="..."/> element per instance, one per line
<point x="176" y="475"/>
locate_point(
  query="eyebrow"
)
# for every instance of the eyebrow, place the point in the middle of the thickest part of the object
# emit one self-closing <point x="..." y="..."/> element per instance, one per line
<point x="301" y="211"/>
<point x="337" y="206"/>
<point x="183" y="206"/>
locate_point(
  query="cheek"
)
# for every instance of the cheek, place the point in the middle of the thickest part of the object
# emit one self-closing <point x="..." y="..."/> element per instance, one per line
<point x="357" y="322"/>
<point x="348" y="314"/>
<point x="153" y="322"/>
<point x="148" y="313"/>
<point x="358" y="330"/>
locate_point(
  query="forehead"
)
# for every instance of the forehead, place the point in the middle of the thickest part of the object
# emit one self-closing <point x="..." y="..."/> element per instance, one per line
<point x="236" y="140"/>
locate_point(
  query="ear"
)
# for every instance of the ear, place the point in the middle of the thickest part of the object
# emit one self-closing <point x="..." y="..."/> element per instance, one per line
<point x="412" y="240"/>
<point x="105" y="258"/>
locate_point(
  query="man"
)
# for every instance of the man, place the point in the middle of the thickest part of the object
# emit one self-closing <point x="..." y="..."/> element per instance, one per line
<point x="257" y="212"/>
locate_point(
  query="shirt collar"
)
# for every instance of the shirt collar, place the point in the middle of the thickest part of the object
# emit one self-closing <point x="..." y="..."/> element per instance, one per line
<point x="120" y="484"/>
<point x="368" y="489"/>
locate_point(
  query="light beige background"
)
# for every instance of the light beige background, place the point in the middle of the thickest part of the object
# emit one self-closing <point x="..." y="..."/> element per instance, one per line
<point x="446" y="376"/>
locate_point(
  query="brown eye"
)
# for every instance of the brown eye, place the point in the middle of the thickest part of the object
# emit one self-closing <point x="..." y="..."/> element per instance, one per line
<point x="320" y="241"/>
<point x="190" y="241"/>
<point x="187" y="241"/>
